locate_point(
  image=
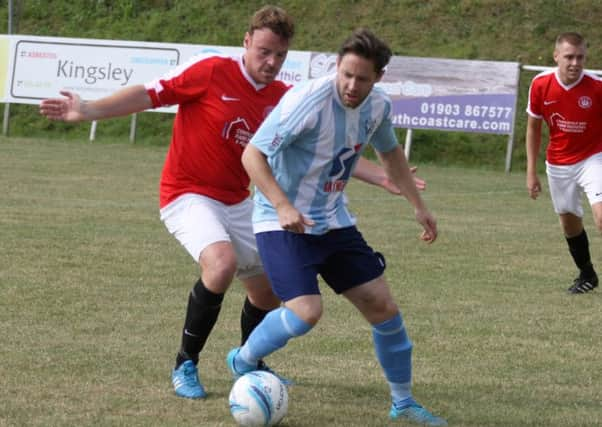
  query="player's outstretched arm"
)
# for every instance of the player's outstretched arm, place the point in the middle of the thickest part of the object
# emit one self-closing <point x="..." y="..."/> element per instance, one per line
<point x="71" y="108"/>
<point x="372" y="173"/>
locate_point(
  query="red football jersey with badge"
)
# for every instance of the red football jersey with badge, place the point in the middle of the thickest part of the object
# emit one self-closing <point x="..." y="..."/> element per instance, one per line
<point x="219" y="108"/>
<point x="573" y="114"/>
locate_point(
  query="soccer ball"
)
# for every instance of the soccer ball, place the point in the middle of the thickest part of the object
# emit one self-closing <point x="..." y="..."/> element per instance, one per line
<point x="258" y="398"/>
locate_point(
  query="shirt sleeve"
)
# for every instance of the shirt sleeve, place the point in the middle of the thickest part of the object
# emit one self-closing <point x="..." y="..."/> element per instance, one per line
<point x="384" y="138"/>
<point x="534" y="101"/>
<point x="282" y="126"/>
<point x="185" y="83"/>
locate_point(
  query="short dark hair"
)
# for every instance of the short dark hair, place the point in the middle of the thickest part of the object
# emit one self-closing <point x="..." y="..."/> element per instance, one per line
<point x="274" y="18"/>
<point x="572" y="38"/>
<point x="364" y="43"/>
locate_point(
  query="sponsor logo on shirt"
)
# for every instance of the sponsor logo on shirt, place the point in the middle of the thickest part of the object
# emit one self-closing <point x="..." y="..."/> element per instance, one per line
<point x="334" y="186"/>
<point x="341" y="169"/>
<point x="276" y="142"/>
<point x="237" y="130"/>
<point x="567" y="126"/>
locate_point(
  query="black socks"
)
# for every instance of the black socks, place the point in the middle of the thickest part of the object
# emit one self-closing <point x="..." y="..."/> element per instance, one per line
<point x="202" y="312"/>
<point x="250" y="317"/>
<point x="579" y="249"/>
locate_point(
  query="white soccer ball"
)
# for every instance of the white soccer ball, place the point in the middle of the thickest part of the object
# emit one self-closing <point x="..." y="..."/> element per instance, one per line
<point x="258" y="399"/>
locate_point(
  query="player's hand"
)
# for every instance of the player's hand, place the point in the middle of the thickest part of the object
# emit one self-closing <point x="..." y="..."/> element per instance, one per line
<point x="292" y="220"/>
<point x="533" y="186"/>
<point x="392" y="188"/>
<point x="68" y="109"/>
<point x="429" y="225"/>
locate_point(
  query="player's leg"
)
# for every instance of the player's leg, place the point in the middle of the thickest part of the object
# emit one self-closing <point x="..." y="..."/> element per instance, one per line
<point x="566" y="193"/>
<point x="204" y="304"/>
<point x="391" y="342"/>
<point x="259" y="302"/>
<point x="578" y="244"/>
<point x="218" y="266"/>
<point x="293" y="279"/>
<point x="273" y="333"/>
<point x="197" y="223"/>
<point x="393" y="349"/>
<point x="591" y="181"/>
<point x="260" y="297"/>
<point x="356" y="271"/>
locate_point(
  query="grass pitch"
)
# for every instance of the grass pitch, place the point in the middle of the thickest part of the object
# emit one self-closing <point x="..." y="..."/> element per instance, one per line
<point x="93" y="292"/>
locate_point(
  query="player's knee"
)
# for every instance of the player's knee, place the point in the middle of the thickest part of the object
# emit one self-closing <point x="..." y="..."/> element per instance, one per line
<point x="307" y="307"/>
<point x="379" y="309"/>
<point x="309" y="313"/>
<point x="295" y="325"/>
<point x="313" y="318"/>
<point x="218" y="273"/>
<point x="388" y="307"/>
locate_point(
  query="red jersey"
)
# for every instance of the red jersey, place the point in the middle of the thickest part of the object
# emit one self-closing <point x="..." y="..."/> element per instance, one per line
<point x="573" y="114"/>
<point x="219" y="109"/>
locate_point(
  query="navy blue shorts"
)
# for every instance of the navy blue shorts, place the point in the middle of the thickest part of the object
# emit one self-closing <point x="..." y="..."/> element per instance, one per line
<point x="293" y="261"/>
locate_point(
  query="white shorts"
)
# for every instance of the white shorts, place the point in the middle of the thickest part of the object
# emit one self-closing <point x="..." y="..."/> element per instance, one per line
<point x="197" y="221"/>
<point x="569" y="182"/>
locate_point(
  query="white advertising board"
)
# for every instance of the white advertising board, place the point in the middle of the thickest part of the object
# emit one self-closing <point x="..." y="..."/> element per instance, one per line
<point x="35" y="68"/>
<point x="427" y="93"/>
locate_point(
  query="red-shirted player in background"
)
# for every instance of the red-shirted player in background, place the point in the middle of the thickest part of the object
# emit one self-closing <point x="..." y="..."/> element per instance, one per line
<point x="570" y="101"/>
<point x="204" y="190"/>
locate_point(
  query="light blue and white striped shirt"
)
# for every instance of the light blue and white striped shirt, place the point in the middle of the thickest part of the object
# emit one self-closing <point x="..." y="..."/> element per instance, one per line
<point x="312" y="143"/>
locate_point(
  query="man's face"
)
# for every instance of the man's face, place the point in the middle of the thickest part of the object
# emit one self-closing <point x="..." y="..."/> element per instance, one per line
<point x="265" y="54"/>
<point x="570" y="60"/>
<point x="355" y="79"/>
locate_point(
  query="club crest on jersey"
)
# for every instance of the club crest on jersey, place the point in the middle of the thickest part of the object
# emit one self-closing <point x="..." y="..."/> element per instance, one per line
<point x="237" y="130"/>
<point x="585" y="102"/>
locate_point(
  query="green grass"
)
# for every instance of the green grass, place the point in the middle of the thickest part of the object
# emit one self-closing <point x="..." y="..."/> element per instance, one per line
<point x="93" y="292"/>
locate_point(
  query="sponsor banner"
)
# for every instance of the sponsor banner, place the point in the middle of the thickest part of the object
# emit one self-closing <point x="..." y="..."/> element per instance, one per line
<point x="92" y="68"/>
<point x="43" y="66"/>
<point x="452" y="94"/>
<point x="444" y="94"/>
<point x="427" y="93"/>
<point x="468" y="113"/>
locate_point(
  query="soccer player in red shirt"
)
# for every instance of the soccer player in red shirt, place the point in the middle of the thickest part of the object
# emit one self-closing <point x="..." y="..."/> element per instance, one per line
<point x="570" y="102"/>
<point x="204" y="190"/>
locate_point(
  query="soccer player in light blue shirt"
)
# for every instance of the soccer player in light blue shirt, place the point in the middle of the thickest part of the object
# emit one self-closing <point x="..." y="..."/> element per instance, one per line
<point x="300" y="159"/>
